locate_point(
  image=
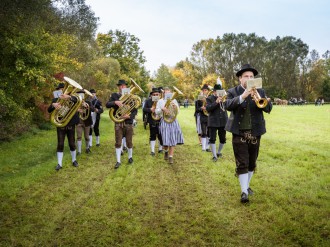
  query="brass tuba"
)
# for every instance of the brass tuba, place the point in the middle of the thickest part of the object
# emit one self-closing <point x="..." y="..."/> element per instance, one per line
<point x="154" y="115"/>
<point x="130" y="101"/>
<point x="172" y="108"/>
<point x="85" y="107"/>
<point x="62" y="116"/>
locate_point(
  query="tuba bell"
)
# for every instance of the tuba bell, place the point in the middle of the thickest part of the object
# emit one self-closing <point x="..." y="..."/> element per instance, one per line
<point x="172" y="108"/>
<point x="85" y="107"/>
<point x="130" y="101"/>
<point x="62" y="116"/>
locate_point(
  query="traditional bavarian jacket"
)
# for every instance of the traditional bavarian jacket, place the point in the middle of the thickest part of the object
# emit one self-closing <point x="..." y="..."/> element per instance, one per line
<point x="75" y="119"/>
<point x="217" y="116"/>
<point x="202" y="116"/>
<point x="147" y="109"/>
<point x="245" y="110"/>
<point x="97" y="105"/>
<point x="111" y="104"/>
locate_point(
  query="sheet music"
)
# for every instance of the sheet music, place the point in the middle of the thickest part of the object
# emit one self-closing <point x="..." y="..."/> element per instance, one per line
<point x="168" y="96"/>
<point x="221" y="93"/>
<point x="257" y="83"/>
<point x="125" y="91"/>
<point x="57" y="93"/>
<point x="154" y="98"/>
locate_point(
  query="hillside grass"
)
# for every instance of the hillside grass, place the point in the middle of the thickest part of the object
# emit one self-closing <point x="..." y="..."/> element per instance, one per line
<point x="194" y="202"/>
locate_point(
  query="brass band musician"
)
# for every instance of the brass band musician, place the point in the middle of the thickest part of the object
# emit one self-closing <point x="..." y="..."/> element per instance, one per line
<point x="67" y="130"/>
<point x="150" y="108"/>
<point x="216" y="121"/>
<point x="247" y="124"/>
<point x="121" y="127"/>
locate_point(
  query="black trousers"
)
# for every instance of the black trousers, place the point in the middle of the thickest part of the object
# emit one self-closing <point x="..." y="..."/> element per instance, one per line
<point x="204" y="129"/>
<point x="95" y="128"/>
<point x="68" y="131"/>
<point x="155" y="133"/>
<point x="246" y="153"/>
<point x="213" y="134"/>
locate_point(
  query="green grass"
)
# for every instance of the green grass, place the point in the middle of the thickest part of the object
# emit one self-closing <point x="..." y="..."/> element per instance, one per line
<point x="194" y="202"/>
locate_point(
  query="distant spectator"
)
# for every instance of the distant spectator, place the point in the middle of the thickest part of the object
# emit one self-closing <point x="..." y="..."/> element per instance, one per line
<point x="322" y="101"/>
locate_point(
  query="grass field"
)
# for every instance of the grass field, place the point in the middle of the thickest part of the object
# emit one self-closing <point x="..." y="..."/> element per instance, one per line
<point x="194" y="202"/>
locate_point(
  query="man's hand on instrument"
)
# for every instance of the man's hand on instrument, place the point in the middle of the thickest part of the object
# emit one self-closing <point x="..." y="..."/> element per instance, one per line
<point x="119" y="103"/>
<point x="219" y="99"/>
<point x="57" y="105"/>
<point x="152" y="109"/>
<point x="127" y="116"/>
<point x="245" y="94"/>
<point x="65" y="96"/>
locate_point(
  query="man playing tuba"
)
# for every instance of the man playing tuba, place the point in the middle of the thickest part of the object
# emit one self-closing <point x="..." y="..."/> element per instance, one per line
<point x="122" y="127"/>
<point x="67" y="130"/>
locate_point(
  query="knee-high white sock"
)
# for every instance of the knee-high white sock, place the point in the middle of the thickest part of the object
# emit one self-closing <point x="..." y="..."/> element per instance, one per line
<point x="124" y="142"/>
<point x="130" y="152"/>
<point x="250" y="176"/>
<point x="73" y="155"/>
<point x="118" y="154"/>
<point x="220" y="147"/>
<point x="59" y="158"/>
<point x="152" y="145"/>
<point x="160" y="147"/>
<point x="204" y="140"/>
<point x="98" y="140"/>
<point x="244" y="180"/>
<point x="90" y="140"/>
<point x="213" y="149"/>
<point x="79" y="143"/>
<point x="87" y="143"/>
<point x="207" y="143"/>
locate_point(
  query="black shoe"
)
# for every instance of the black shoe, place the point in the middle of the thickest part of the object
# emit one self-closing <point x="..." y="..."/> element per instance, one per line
<point x="219" y="155"/>
<point x="121" y="153"/>
<point x="215" y="159"/>
<point x="78" y="153"/>
<point x="58" y="167"/>
<point x="125" y="149"/>
<point x="208" y="150"/>
<point x="244" y="198"/>
<point x="160" y="151"/>
<point x="88" y="150"/>
<point x="117" y="165"/>
<point x="130" y="160"/>
<point x="250" y="191"/>
<point x="98" y="144"/>
<point x="75" y="163"/>
<point x="152" y="154"/>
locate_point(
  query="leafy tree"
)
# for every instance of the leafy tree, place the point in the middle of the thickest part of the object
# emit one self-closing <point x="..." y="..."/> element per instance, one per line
<point x="164" y="77"/>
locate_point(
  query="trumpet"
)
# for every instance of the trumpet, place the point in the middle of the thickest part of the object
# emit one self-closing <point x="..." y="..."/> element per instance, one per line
<point x="252" y="86"/>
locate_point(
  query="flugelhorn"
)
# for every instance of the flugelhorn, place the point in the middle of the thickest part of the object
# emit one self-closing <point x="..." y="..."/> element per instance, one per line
<point x="129" y="101"/>
<point x="62" y="116"/>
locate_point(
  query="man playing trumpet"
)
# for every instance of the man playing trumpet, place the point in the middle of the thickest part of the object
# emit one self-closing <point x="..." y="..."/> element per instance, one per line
<point x="247" y="124"/>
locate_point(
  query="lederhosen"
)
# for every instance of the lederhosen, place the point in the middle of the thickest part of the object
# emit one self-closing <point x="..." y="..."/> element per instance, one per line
<point x="68" y="130"/>
<point x="124" y="128"/>
<point x="153" y="124"/>
<point x="217" y="120"/>
<point x="96" y="105"/>
<point x="247" y="124"/>
<point x="85" y="125"/>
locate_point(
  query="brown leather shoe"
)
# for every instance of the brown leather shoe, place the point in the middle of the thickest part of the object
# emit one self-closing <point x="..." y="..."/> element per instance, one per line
<point x="166" y="156"/>
<point x="170" y="160"/>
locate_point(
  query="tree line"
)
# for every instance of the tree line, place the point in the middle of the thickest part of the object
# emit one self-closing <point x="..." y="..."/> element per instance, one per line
<point x="43" y="38"/>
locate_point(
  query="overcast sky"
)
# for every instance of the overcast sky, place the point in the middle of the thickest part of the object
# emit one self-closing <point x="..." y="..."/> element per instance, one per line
<point x="167" y="29"/>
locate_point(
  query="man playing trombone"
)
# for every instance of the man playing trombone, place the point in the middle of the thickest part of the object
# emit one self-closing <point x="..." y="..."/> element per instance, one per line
<point x="247" y="124"/>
